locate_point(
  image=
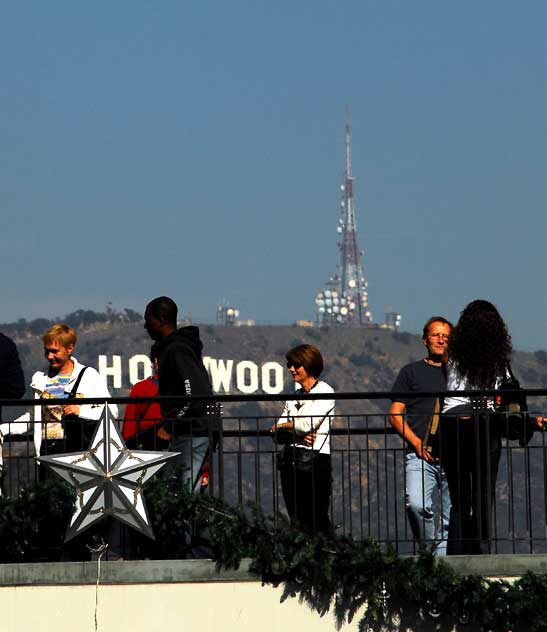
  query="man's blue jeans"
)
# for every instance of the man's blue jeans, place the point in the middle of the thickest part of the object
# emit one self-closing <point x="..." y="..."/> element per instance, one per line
<point x="193" y="451"/>
<point x="422" y="478"/>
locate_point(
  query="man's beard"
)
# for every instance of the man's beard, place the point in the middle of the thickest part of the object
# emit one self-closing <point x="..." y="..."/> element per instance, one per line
<point x="154" y="335"/>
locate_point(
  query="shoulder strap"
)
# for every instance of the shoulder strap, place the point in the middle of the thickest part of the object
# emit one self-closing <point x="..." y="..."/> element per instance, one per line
<point x="77" y="383"/>
<point x="432" y="426"/>
<point x="327" y="435"/>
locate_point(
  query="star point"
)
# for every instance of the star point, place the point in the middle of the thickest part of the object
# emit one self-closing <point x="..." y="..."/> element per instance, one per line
<point x="108" y="479"/>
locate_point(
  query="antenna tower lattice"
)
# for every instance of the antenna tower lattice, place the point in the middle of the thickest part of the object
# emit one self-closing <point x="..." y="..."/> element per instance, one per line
<point x="344" y="301"/>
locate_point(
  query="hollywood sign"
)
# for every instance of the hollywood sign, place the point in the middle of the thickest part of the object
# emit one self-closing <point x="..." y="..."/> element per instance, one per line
<point x="226" y="375"/>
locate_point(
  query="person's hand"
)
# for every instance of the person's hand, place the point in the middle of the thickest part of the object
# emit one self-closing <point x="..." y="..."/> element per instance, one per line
<point x="309" y="439"/>
<point x="163" y="434"/>
<point x="540" y="422"/>
<point x="71" y="409"/>
<point x="422" y="453"/>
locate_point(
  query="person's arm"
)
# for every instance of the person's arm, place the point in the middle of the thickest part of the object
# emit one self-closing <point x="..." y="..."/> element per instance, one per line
<point x="190" y="380"/>
<point x="18" y="426"/>
<point x="307" y="424"/>
<point x="540" y="422"/>
<point x="286" y="423"/>
<point x="283" y="418"/>
<point x="175" y="366"/>
<point x="136" y="411"/>
<point x="12" y="379"/>
<point x="132" y="415"/>
<point x="397" y="420"/>
<point x="283" y="422"/>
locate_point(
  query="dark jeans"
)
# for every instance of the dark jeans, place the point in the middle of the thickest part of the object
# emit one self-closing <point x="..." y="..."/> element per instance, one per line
<point x="470" y="455"/>
<point x="307" y="494"/>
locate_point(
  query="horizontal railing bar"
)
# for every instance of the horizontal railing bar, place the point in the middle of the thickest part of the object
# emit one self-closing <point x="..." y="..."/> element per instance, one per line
<point x="338" y="432"/>
<point x="280" y="397"/>
<point x="333" y="432"/>
<point x="266" y="433"/>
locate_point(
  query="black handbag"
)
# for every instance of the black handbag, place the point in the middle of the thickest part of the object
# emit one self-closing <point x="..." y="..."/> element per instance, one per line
<point x="284" y="437"/>
<point x="512" y="410"/>
<point x="299" y="459"/>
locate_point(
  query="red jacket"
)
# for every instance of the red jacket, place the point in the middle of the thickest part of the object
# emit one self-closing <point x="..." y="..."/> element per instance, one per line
<point x="137" y="417"/>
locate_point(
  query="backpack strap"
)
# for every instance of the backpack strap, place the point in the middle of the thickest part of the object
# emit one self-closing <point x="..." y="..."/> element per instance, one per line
<point x="77" y="383"/>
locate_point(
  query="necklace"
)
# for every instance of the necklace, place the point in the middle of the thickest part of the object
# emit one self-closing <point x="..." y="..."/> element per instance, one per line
<point x="299" y="404"/>
<point x="431" y="363"/>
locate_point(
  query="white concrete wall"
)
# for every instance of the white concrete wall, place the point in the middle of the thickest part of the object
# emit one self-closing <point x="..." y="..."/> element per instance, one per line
<point x="203" y="607"/>
<point x="177" y="596"/>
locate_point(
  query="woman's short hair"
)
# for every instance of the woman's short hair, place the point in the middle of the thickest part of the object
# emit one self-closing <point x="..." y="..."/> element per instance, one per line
<point x="61" y="333"/>
<point x="309" y="357"/>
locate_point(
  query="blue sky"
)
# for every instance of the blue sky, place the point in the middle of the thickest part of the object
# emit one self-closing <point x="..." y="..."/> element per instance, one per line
<point x="196" y="149"/>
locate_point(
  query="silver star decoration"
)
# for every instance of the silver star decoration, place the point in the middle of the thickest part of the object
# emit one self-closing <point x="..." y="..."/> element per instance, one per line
<point x="108" y="479"/>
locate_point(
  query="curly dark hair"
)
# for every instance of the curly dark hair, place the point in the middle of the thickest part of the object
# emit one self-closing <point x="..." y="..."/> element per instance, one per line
<point x="480" y="345"/>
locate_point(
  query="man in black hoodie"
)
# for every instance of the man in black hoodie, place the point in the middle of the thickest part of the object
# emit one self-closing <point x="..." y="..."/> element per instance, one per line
<point x="181" y="372"/>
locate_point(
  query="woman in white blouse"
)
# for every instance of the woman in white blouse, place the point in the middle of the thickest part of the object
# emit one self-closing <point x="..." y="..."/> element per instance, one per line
<point x="305" y="462"/>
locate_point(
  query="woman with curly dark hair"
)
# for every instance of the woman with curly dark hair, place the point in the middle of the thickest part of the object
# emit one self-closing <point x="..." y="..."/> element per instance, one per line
<point x="479" y="349"/>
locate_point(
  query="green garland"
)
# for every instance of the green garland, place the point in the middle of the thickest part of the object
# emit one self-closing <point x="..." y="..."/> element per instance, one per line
<point x="339" y="573"/>
<point x="33" y="524"/>
<point x="334" y="574"/>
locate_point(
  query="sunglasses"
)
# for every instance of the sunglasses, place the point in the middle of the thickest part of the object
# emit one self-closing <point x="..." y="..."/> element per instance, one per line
<point x="295" y="365"/>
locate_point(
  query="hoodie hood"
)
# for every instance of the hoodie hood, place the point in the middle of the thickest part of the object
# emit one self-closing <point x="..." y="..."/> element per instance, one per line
<point x="187" y="336"/>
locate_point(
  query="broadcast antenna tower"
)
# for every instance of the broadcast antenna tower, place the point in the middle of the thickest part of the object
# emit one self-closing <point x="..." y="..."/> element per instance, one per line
<point x="345" y="300"/>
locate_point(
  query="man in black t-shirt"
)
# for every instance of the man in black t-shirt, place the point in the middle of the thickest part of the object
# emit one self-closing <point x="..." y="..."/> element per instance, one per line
<point x="411" y="417"/>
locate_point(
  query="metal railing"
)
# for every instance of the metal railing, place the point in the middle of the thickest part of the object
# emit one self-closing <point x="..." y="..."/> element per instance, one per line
<point x="368" y="469"/>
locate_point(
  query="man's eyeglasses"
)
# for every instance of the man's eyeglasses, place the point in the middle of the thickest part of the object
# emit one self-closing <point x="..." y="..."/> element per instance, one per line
<point x="295" y="365"/>
<point x="439" y="336"/>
